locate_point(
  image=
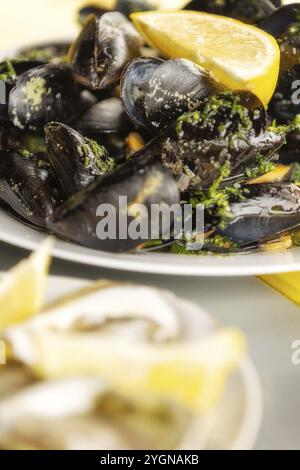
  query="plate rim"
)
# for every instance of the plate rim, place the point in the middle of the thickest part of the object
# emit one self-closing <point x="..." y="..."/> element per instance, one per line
<point x="145" y="263"/>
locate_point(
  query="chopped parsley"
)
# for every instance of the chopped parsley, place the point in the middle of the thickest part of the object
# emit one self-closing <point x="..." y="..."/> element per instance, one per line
<point x="216" y="199"/>
<point x="263" y="166"/>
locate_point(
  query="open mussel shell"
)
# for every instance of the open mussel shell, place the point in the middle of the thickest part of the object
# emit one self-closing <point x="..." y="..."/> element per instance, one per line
<point x="106" y="116"/>
<point x="285" y="104"/>
<point x="103" y="48"/>
<point x="223" y="130"/>
<point x="252" y="11"/>
<point x="155" y="93"/>
<point x="268" y="210"/>
<point x="140" y="182"/>
<point x="278" y="23"/>
<point x="44" y="94"/>
<point x="27" y="187"/>
<point x="76" y="160"/>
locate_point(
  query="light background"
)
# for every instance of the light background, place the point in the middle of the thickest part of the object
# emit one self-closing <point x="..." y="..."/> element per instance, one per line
<point x="24" y="22"/>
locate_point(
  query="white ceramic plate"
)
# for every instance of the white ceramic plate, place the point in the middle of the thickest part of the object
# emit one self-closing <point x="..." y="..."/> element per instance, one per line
<point x="234" y="424"/>
<point x="18" y="234"/>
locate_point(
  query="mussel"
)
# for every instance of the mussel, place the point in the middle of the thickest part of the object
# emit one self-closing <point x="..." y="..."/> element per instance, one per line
<point x="290" y="47"/>
<point x="76" y="160"/>
<point x="279" y="22"/>
<point x="44" y="94"/>
<point x="140" y="182"/>
<point x="155" y="93"/>
<point x="106" y="116"/>
<point x="47" y="52"/>
<point x="13" y="138"/>
<point x="267" y="211"/>
<point x="285" y="104"/>
<point x="9" y="72"/>
<point x="103" y="48"/>
<point x="28" y="187"/>
<point x="290" y="152"/>
<point x="86" y="11"/>
<point x="229" y="128"/>
<point x="252" y="11"/>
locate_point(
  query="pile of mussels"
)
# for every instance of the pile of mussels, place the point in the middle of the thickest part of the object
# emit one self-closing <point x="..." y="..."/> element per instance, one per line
<point x="104" y="117"/>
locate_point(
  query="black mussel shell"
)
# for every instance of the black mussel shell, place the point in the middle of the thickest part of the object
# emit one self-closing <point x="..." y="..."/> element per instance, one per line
<point x="290" y="47"/>
<point x="248" y="11"/>
<point x="177" y="86"/>
<point x="44" y="94"/>
<point x="107" y="116"/>
<point x="155" y="94"/>
<point x="9" y="72"/>
<point x="45" y="52"/>
<point x="141" y="182"/>
<point x="131" y="6"/>
<point x="103" y="48"/>
<point x="285" y="104"/>
<point x="76" y="160"/>
<point x="85" y="12"/>
<point x="221" y="131"/>
<point x="279" y="22"/>
<point x="28" y="187"/>
<point x="267" y="211"/>
<point x="134" y="86"/>
<point x="290" y="152"/>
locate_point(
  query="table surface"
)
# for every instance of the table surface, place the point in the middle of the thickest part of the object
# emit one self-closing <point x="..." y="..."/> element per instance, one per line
<point x="270" y="321"/>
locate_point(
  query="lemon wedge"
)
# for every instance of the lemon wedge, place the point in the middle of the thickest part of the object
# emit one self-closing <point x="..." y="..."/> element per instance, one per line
<point x="22" y="289"/>
<point x="193" y="375"/>
<point x="236" y="54"/>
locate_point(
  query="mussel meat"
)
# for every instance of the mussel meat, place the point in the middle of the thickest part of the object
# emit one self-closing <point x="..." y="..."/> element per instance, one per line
<point x="229" y="128"/>
<point x="106" y="116"/>
<point x="140" y="181"/>
<point x="252" y="11"/>
<point x="103" y="48"/>
<point x="76" y="160"/>
<point x="267" y="211"/>
<point x="155" y="93"/>
<point x="44" y="94"/>
<point x="28" y="187"/>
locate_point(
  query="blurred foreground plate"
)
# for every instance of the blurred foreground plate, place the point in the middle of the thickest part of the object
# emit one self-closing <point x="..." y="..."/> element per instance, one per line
<point x="235" y="422"/>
